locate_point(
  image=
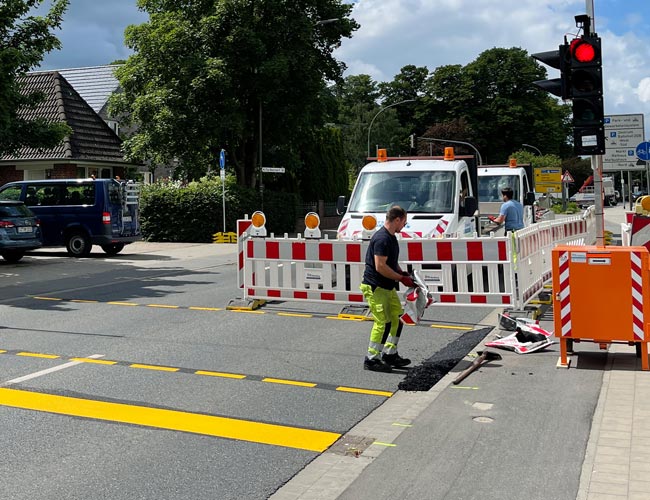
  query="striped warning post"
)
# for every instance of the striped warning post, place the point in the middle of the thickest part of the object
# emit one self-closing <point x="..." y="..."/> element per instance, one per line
<point x="637" y="296"/>
<point x="565" y="292"/>
<point x="242" y="227"/>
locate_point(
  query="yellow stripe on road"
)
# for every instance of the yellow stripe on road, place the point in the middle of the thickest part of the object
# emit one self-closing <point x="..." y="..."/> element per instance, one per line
<point x="451" y="327"/>
<point x="38" y="355"/>
<point x="196" y="308"/>
<point x="220" y="374"/>
<point x="288" y="382"/>
<point x="364" y="391"/>
<point x="94" y="361"/>
<point x="163" y="306"/>
<point x="154" y="367"/>
<point x="122" y="303"/>
<point x="229" y="428"/>
<point x="296" y="315"/>
<point x="46" y="298"/>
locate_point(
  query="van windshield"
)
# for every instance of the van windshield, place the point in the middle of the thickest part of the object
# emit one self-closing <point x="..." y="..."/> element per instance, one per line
<point x="490" y="186"/>
<point x="416" y="192"/>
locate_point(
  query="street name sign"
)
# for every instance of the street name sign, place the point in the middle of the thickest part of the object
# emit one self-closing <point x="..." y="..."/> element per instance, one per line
<point x="622" y="135"/>
<point x="273" y="170"/>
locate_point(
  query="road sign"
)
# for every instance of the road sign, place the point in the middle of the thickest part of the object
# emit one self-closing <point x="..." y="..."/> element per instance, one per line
<point x="222" y="159"/>
<point x="643" y="151"/>
<point x="567" y="178"/>
<point x="548" y="180"/>
<point x="622" y="134"/>
<point x="273" y="170"/>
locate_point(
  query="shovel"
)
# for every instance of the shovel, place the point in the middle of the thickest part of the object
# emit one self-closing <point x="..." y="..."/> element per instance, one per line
<point x="484" y="357"/>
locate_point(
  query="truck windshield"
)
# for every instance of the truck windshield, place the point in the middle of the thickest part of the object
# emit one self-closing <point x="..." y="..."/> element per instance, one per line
<point x="416" y="192"/>
<point x="490" y="186"/>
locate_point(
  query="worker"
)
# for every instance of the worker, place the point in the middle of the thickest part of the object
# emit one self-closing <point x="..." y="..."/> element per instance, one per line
<point x="511" y="212"/>
<point x="379" y="285"/>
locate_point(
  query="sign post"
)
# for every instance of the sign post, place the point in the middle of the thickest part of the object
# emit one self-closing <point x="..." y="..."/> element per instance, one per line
<point x="222" y="165"/>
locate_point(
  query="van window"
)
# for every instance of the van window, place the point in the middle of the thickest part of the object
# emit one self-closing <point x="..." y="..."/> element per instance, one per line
<point x="114" y="194"/>
<point x="12" y="193"/>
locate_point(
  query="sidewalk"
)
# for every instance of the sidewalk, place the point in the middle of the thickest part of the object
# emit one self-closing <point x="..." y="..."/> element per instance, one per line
<point x="517" y="428"/>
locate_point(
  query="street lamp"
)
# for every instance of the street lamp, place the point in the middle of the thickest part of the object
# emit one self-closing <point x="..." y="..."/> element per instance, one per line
<point x="381" y="111"/>
<point x="533" y="147"/>
<point x="478" y="155"/>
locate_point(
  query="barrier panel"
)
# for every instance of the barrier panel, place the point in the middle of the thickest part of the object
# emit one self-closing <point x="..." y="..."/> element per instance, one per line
<point x="505" y="271"/>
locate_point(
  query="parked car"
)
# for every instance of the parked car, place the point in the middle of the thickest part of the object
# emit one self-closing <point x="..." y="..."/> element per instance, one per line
<point x="79" y="213"/>
<point x="19" y="230"/>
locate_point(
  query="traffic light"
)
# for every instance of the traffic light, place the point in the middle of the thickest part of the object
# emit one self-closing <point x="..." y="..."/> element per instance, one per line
<point x="586" y="90"/>
<point x="557" y="59"/>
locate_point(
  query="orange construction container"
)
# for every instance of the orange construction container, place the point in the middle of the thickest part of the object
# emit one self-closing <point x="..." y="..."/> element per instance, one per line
<point x="602" y="294"/>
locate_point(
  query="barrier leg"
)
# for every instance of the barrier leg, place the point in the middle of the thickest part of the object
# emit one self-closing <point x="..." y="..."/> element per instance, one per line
<point x="563" y="361"/>
<point x="644" y="356"/>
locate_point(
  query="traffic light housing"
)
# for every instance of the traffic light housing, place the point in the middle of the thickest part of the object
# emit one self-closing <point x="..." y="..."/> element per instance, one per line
<point x="557" y="59"/>
<point x="586" y="90"/>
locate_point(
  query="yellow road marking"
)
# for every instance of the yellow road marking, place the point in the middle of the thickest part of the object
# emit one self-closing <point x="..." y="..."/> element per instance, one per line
<point x="46" y="298"/>
<point x="288" y="382"/>
<point x="229" y="428"/>
<point x="464" y="387"/>
<point x="85" y="301"/>
<point x="341" y="318"/>
<point x="122" y="303"/>
<point x="219" y="374"/>
<point x="2" y="351"/>
<point x="452" y="327"/>
<point x="384" y="444"/>
<point x="94" y="361"/>
<point x="397" y="424"/>
<point x="38" y="355"/>
<point x="247" y="311"/>
<point x="365" y="391"/>
<point x="296" y="315"/>
<point x="196" y="308"/>
<point x="154" y="367"/>
<point x="163" y="306"/>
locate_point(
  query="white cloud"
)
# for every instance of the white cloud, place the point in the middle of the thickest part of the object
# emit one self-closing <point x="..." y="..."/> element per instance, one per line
<point x="643" y="90"/>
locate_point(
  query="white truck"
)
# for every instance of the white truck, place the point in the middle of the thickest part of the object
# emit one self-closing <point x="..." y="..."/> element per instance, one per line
<point x="586" y="196"/>
<point x="437" y="194"/>
<point x="492" y="179"/>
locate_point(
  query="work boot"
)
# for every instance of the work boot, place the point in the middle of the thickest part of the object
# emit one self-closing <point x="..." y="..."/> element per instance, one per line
<point x="376" y="365"/>
<point x="395" y="360"/>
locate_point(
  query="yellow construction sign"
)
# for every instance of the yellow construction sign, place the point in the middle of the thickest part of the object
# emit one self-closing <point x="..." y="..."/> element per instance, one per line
<point x="548" y="179"/>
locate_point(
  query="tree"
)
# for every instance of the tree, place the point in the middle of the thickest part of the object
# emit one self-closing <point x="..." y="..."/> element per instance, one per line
<point x="24" y="40"/>
<point x="233" y="74"/>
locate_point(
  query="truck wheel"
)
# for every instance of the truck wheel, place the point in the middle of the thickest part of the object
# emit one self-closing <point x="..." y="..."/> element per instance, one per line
<point x="78" y="244"/>
<point x="13" y="256"/>
<point x="113" y="248"/>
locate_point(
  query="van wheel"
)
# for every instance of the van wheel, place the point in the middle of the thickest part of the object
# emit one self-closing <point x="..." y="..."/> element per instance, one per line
<point x="13" y="256"/>
<point x="113" y="248"/>
<point x="78" y="244"/>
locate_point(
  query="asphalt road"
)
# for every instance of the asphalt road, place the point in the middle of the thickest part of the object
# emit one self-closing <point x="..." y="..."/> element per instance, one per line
<point x="125" y="377"/>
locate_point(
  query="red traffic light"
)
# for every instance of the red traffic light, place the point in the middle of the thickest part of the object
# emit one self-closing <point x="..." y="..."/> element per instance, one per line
<point x="583" y="51"/>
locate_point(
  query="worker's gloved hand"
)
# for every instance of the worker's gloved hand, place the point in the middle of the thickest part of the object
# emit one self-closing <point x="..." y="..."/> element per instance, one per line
<point x="407" y="281"/>
<point x="492" y="218"/>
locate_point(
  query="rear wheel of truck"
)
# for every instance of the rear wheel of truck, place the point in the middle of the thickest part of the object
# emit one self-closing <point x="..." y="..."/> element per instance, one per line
<point x="113" y="248"/>
<point x="78" y="244"/>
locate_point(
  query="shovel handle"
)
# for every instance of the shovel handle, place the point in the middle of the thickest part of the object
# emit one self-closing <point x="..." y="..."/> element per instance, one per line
<point x="475" y="364"/>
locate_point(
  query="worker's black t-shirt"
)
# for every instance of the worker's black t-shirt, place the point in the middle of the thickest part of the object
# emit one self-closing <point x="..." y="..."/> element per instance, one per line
<point x="385" y="244"/>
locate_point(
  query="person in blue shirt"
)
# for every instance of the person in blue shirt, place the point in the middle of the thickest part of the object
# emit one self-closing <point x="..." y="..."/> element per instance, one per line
<point x="511" y="213"/>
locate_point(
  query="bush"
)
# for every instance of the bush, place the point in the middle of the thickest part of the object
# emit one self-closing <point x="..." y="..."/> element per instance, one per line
<point x="192" y="213"/>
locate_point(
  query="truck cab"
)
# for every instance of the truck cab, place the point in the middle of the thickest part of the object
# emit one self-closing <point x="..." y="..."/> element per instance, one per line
<point x="438" y="195"/>
<point x="492" y="179"/>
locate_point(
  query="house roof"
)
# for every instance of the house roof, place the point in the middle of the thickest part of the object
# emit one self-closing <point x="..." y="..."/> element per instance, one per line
<point x="91" y="138"/>
<point x="94" y="84"/>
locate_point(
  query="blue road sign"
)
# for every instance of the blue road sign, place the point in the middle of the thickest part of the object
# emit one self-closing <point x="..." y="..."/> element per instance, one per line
<point x="643" y="151"/>
<point x="222" y="159"/>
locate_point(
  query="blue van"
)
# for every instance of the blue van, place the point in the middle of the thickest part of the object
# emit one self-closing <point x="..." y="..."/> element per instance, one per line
<point x="79" y="213"/>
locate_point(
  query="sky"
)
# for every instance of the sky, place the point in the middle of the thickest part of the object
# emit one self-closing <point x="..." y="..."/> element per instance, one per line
<point x="431" y="33"/>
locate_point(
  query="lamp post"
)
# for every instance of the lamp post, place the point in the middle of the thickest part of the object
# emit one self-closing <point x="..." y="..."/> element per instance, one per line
<point x="478" y="155"/>
<point x="533" y="147"/>
<point x="381" y="111"/>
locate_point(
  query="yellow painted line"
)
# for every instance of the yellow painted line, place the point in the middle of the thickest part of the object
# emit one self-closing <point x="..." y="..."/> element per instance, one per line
<point x="154" y="367"/>
<point x="122" y="303"/>
<point x="340" y="318"/>
<point x="163" y="306"/>
<point x="85" y="301"/>
<point x="453" y="327"/>
<point x="219" y="374"/>
<point x="206" y="308"/>
<point x="2" y="351"/>
<point x="38" y="355"/>
<point x="384" y="444"/>
<point x="296" y="315"/>
<point x="397" y="424"/>
<point x="94" y="361"/>
<point x="365" y="391"/>
<point x="246" y="311"/>
<point x="464" y="387"/>
<point x="288" y="382"/>
<point x="46" y="298"/>
<point x="229" y="428"/>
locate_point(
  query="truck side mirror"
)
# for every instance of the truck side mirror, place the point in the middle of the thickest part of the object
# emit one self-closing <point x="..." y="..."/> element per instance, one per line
<point x="529" y="199"/>
<point x="340" y="205"/>
<point x="471" y="206"/>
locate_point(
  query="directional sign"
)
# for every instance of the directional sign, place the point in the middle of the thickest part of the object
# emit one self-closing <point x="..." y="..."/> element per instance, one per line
<point x="622" y="134"/>
<point x="222" y="159"/>
<point x="274" y="170"/>
<point x="643" y="151"/>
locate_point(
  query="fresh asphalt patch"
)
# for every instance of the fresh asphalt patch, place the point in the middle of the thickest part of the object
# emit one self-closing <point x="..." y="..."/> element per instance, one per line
<point x="424" y="376"/>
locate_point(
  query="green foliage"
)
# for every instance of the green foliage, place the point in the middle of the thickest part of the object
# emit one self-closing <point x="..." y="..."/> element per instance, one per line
<point x="229" y="74"/>
<point x="327" y="175"/>
<point x="171" y="211"/>
<point x="24" y="40"/>
<point x="580" y="169"/>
